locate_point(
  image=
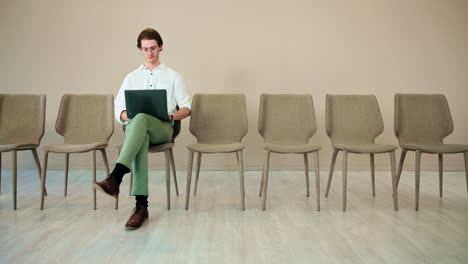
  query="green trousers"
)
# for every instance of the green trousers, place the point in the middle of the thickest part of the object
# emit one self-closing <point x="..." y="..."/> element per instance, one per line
<point x="140" y="132"/>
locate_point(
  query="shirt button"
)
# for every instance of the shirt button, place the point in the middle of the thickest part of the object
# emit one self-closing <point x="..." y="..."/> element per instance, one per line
<point x="151" y="73"/>
<point x="151" y="85"/>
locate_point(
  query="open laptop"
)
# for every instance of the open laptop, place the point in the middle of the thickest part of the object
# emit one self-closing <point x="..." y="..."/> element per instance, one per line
<point x="151" y="102"/>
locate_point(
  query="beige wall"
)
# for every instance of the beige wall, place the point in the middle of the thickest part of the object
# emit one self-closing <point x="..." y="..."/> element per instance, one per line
<point x="252" y="47"/>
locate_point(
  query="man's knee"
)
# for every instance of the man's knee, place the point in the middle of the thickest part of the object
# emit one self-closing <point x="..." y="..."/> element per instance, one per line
<point x="140" y="118"/>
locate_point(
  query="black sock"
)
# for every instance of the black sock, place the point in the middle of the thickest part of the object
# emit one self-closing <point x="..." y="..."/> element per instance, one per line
<point x="141" y="200"/>
<point x="119" y="171"/>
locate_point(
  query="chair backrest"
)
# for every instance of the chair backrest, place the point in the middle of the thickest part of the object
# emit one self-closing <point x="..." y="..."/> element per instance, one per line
<point x="286" y="118"/>
<point x="177" y="127"/>
<point x="22" y="118"/>
<point x="422" y="118"/>
<point x="86" y="118"/>
<point x="353" y="119"/>
<point x="218" y="118"/>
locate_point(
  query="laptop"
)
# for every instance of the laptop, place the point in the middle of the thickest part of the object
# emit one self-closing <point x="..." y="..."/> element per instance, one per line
<point x="151" y="102"/>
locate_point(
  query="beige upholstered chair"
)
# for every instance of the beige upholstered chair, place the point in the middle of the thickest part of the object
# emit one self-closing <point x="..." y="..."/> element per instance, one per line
<point x="22" y="119"/>
<point x="169" y="155"/>
<point x="422" y="121"/>
<point x="353" y="122"/>
<point x="287" y="122"/>
<point x="86" y="121"/>
<point x="219" y="122"/>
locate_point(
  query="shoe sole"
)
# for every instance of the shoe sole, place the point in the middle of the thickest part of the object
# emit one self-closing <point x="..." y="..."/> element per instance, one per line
<point x="98" y="187"/>
<point x="133" y="228"/>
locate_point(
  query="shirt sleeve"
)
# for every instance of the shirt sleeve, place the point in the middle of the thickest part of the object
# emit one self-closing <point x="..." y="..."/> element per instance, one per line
<point x="181" y="95"/>
<point x="119" y="103"/>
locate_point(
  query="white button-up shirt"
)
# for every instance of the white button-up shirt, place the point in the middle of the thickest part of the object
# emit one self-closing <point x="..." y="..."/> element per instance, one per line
<point x="162" y="77"/>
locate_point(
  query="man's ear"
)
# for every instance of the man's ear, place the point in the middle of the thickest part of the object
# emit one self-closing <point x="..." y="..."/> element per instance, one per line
<point x="161" y="48"/>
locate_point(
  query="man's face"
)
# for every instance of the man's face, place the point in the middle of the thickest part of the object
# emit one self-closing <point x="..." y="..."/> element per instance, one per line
<point x="150" y="50"/>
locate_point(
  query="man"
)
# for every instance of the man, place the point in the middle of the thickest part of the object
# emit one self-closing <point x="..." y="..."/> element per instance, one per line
<point x="143" y="130"/>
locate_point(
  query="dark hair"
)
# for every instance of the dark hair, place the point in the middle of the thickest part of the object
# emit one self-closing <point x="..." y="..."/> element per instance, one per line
<point x="149" y="33"/>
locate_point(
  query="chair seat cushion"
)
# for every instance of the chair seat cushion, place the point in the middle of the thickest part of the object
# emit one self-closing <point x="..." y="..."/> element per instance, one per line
<point x="366" y="148"/>
<point x="73" y="148"/>
<point x="438" y="148"/>
<point x="216" y="148"/>
<point x="302" y="148"/>
<point x="4" y="147"/>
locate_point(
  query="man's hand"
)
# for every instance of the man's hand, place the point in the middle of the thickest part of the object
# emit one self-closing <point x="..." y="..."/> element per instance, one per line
<point x="123" y="116"/>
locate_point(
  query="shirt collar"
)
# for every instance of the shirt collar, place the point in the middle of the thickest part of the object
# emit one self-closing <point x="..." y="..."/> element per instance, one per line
<point x="161" y="66"/>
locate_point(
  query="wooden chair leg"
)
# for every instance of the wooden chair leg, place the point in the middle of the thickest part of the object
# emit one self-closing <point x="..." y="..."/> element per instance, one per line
<point x="43" y="177"/>
<point x="345" y="177"/>
<point x="261" y="181"/>
<point x="466" y="169"/>
<point x="168" y="178"/>
<point x="394" y="183"/>
<point x="131" y="183"/>
<point x="317" y="179"/>
<point x="306" y="169"/>
<point x="38" y="165"/>
<point x="240" y="163"/>
<point x="197" y="169"/>
<point x="14" y="175"/>
<point x="441" y="172"/>
<point x="106" y="166"/>
<point x="372" y="173"/>
<point x="174" y="172"/>
<point x="67" y="159"/>
<point x="189" y="179"/>
<point x="417" y="178"/>
<point x="400" y="165"/>
<point x="330" y="174"/>
<point x="265" y="179"/>
<point x="94" y="177"/>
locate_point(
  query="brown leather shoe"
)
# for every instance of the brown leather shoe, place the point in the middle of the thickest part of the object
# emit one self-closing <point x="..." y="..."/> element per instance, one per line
<point x="108" y="186"/>
<point x="138" y="217"/>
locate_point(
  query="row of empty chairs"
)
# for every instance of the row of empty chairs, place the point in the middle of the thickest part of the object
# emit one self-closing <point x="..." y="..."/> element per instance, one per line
<point x="219" y="122"/>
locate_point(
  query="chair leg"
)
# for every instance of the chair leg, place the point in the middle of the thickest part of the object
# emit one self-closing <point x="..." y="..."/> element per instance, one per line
<point x="197" y="169"/>
<point x="131" y="184"/>
<point x="466" y="169"/>
<point x="1" y="173"/>
<point x="240" y="163"/>
<point x="394" y="187"/>
<point x="168" y="179"/>
<point x="174" y="172"/>
<point x="330" y="174"/>
<point x="189" y="179"/>
<point x="38" y="165"/>
<point x="317" y="179"/>
<point x="43" y="177"/>
<point x="400" y="165"/>
<point x="67" y="159"/>
<point x="106" y="165"/>
<point x="94" y="176"/>
<point x="265" y="178"/>
<point x="306" y="169"/>
<point x="441" y="172"/>
<point x="14" y="174"/>
<point x="345" y="177"/>
<point x="372" y="166"/>
<point x="418" y="171"/>
<point x="261" y="182"/>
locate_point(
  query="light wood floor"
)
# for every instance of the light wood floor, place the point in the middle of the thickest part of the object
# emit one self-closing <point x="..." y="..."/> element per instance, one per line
<point x="215" y="230"/>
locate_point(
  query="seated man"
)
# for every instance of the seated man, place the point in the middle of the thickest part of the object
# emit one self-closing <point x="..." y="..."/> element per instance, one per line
<point x="143" y="129"/>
